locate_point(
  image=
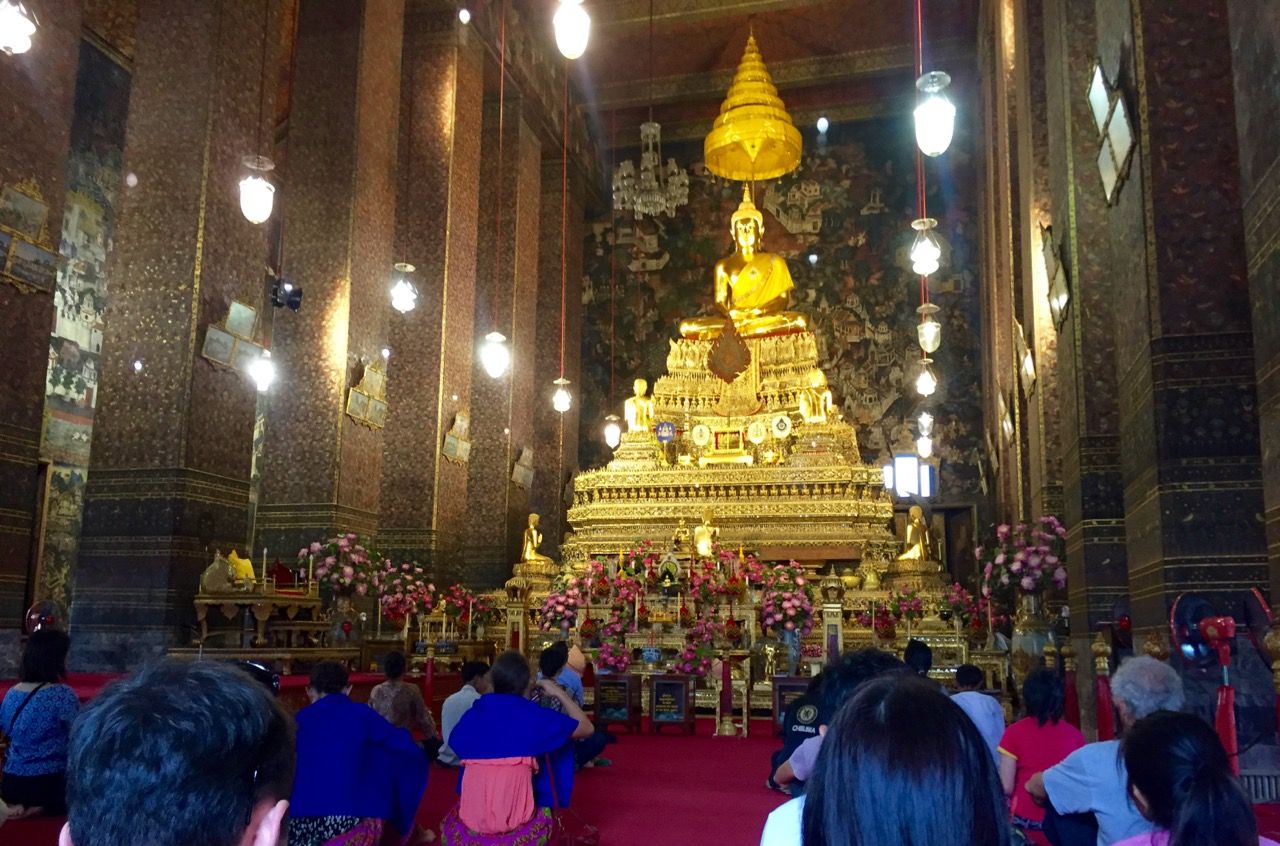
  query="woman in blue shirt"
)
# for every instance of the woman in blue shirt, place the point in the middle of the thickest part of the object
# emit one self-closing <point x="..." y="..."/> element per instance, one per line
<point x="36" y="716"/>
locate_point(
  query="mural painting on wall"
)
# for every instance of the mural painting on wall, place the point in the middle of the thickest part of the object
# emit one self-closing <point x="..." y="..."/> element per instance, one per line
<point x="842" y="222"/>
<point x="94" y="180"/>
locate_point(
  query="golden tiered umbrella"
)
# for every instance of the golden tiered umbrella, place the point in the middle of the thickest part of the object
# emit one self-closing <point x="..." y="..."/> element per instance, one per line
<point x="753" y="138"/>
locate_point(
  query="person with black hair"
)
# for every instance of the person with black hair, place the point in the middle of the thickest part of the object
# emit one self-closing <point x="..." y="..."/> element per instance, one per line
<point x="356" y="771"/>
<point x="551" y="664"/>
<point x="1035" y="743"/>
<point x="36" y="716"/>
<point x="840" y="682"/>
<point x="180" y="753"/>
<point x="799" y="723"/>
<point x="475" y="683"/>
<point x="401" y="704"/>
<point x="901" y="764"/>
<point x="1180" y="779"/>
<point x="985" y="711"/>
<point x="503" y="740"/>
<point x="918" y="656"/>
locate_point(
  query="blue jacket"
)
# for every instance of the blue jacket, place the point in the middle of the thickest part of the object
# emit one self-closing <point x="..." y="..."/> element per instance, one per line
<point x="352" y="762"/>
<point x="503" y="725"/>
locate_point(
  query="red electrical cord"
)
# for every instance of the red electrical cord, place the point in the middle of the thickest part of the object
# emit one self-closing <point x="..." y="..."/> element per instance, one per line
<point x="613" y="273"/>
<point x="564" y="210"/>
<point x="922" y="207"/>
<point x="502" y="114"/>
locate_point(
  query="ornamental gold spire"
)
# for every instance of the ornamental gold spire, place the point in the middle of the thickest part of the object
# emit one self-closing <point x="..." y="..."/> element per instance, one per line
<point x="753" y="138"/>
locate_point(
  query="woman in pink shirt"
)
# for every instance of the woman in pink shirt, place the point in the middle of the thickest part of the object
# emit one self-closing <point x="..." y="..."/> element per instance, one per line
<point x="1038" y="741"/>
<point x="1181" y="780"/>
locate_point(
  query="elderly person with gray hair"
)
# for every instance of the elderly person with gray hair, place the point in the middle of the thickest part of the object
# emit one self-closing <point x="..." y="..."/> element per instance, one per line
<point x="1093" y="779"/>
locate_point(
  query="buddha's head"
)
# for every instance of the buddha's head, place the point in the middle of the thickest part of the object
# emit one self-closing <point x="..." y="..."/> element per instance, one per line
<point x="642" y="387"/>
<point x="747" y="223"/>
<point x="916" y="513"/>
<point x="533" y="521"/>
<point x="706" y="517"/>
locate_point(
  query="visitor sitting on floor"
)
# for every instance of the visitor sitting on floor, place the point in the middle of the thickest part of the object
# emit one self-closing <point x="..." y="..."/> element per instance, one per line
<point x="1180" y="779"/>
<point x="553" y="664"/>
<point x="503" y="741"/>
<point x="356" y="771"/>
<point x="181" y="753"/>
<point x="839" y="684"/>
<point x="799" y="723"/>
<point x="1038" y="741"/>
<point x="475" y="683"/>
<point x="901" y="765"/>
<point x="985" y="711"/>
<point x="918" y="657"/>
<point x="401" y="704"/>
<point x="1093" y="779"/>
<point x="36" y="716"/>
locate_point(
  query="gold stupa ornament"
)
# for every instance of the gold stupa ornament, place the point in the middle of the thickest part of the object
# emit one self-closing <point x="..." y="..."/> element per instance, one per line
<point x="754" y="137"/>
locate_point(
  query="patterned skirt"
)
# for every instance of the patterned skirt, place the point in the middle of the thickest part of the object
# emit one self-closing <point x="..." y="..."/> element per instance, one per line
<point x="334" y="831"/>
<point x="536" y="832"/>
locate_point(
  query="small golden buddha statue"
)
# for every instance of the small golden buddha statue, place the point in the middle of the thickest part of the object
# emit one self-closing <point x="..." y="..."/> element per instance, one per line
<point x="815" y="399"/>
<point x="752" y="287"/>
<point x="532" y="540"/>
<point x="639" y="409"/>
<point x="704" y="536"/>
<point x="917" y="537"/>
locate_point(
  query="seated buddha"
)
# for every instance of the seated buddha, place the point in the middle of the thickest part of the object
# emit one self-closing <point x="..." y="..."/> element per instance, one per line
<point x="752" y="287"/>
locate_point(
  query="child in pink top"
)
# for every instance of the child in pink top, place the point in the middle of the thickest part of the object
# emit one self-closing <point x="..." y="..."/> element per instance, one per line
<point x="1033" y="744"/>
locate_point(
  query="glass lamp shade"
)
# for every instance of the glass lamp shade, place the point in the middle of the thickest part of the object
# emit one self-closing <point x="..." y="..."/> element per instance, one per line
<point x="612" y="431"/>
<point x="16" y="28"/>
<point x="926" y="381"/>
<point x="929" y="332"/>
<point x="257" y="194"/>
<point x="495" y="357"/>
<point x="925" y="423"/>
<point x="263" y="372"/>
<point x="573" y="28"/>
<point x="924" y="447"/>
<point x="925" y="250"/>
<point x="935" y="116"/>
<point x="404" y="297"/>
<point x="561" y="400"/>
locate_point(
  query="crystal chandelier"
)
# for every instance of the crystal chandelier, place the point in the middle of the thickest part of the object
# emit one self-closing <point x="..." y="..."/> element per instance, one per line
<point x="655" y="190"/>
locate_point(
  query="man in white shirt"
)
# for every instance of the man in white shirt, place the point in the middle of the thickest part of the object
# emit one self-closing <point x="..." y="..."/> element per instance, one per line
<point x="1093" y="779"/>
<point x="985" y="711"/>
<point x="475" y="683"/>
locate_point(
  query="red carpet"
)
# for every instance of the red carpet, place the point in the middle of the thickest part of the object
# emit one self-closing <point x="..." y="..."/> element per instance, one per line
<point x="661" y="789"/>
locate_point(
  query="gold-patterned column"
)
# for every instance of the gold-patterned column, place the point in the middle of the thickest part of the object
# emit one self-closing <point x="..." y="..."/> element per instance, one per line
<point x="555" y="435"/>
<point x="321" y="466"/>
<point x="424" y="495"/>
<point x="37" y="94"/>
<point x="506" y="300"/>
<point x="169" y="474"/>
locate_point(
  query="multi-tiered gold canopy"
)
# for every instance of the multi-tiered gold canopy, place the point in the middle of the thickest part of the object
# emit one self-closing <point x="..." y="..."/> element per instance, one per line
<point x="754" y="137"/>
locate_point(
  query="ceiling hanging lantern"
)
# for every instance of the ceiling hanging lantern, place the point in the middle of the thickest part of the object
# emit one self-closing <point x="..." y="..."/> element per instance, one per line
<point x="924" y="447"/>
<point x="612" y="431"/>
<point x="263" y="372"/>
<point x="495" y="357"/>
<point x="561" y="400"/>
<point x="404" y="294"/>
<point x="257" y="194"/>
<point x="925" y="249"/>
<point x="925" y="423"/>
<point x="929" y="332"/>
<point x="753" y="137"/>
<point x="573" y="29"/>
<point x="926" y="381"/>
<point x="17" y="25"/>
<point x="935" y="115"/>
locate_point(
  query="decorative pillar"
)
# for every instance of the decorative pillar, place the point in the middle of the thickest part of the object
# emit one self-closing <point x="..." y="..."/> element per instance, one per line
<point x="321" y="466"/>
<point x="555" y="435"/>
<point x="169" y="473"/>
<point x="37" y="95"/>
<point x="1255" y="49"/>
<point x="506" y="301"/>
<point x="424" y="494"/>
<point x="1188" y="405"/>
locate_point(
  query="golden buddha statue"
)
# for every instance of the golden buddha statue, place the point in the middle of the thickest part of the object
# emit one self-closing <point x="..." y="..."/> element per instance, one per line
<point x="815" y="399"/>
<point x="704" y="536"/>
<point x="917" y="537"/>
<point x="532" y="540"/>
<point x="638" y="410"/>
<point x="752" y="287"/>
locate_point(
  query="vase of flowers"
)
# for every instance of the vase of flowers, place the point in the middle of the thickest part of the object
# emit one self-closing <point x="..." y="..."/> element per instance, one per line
<point x="1021" y="565"/>
<point x="614" y="656"/>
<point x="346" y="564"/>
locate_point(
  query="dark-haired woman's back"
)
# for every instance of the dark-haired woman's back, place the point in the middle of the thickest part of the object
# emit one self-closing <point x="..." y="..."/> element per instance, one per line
<point x="37" y="718"/>
<point x="1029" y="747"/>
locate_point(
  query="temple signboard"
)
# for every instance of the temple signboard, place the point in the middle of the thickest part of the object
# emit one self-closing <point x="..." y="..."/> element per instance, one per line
<point x="671" y="702"/>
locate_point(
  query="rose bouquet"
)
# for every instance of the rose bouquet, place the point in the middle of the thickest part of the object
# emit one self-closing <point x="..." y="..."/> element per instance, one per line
<point x="907" y="606"/>
<point x="961" y="604"/>
<point x="786" y="604"/>
<point x="1025" y="557"/>
<point x="457" y="602"/>
<point x="346" y="563"/>
<point x="403" y="590"/>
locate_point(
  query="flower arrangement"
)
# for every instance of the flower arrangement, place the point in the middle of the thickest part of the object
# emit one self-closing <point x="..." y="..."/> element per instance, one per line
<point x="639" y="561"/>
<point x="685" y="616"/>
<point x="1025" y="557"/>
<point x="745" y="565"/>
<point x="614" y="655"/>
<point x="732" y="630"/>
<point x="695" y="658"/>
<point x="705" y="583"/>
<point x="484" y="611"/>
<point x="403" y="590"/>
<point x="560" y="608"/>
<point x="595" y="580"/>
<point x="456" y="602"/>
<point x="787" y="602"/>
<point x="962" y="604"/>
<point x="346" y="563"/>
<point x="878" y="618"/>
<point x="907" y="606"/>
<point x="812" y="650"/>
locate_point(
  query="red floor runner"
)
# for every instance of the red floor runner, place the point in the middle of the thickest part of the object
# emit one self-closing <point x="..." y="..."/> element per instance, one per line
<point x="665" y="788"/>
